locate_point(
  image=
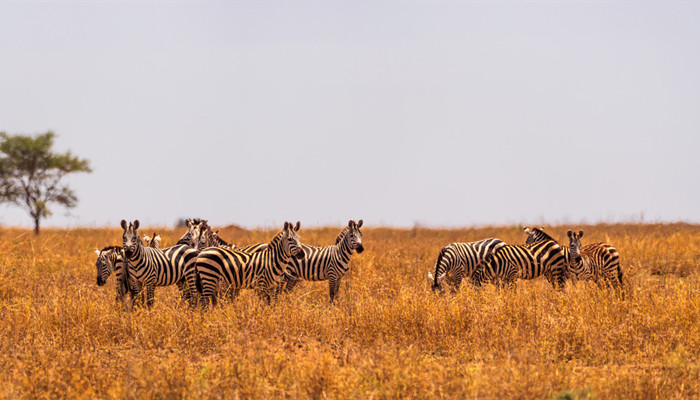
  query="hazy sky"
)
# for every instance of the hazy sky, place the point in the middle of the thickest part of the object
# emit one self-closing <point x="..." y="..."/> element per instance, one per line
<point x="442" y="114"/>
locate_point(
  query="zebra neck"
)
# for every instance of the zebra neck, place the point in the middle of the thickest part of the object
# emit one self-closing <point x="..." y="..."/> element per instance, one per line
<point x="185" y="239"/>
<point x="136" y="257"/>
<point x="344" y="250"/>
<point x="276" y="250"/>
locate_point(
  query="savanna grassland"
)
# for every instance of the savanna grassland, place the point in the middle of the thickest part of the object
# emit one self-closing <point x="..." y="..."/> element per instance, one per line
<point x="387" y="336"/>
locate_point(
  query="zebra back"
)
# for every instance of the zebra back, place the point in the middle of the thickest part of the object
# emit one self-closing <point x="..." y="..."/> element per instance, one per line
<point x="262" y="270"/>
<point x="459" y="260"/>
<point x="544" y="257"/>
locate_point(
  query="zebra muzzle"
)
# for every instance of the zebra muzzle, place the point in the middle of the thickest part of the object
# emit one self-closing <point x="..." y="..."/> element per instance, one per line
<point x="360" y="248"/>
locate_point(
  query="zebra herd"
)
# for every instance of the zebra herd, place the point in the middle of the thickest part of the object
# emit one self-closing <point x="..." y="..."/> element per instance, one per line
<point x="204" y="266"/>
<point x="492" y="260"/>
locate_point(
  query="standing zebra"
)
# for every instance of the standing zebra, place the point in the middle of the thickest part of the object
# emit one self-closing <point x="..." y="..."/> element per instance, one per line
<point x="153" y="241"/>
<point x="110" y="259"/>
<point x="459" y="260"/>
<point x="209" y="238"/>
<point x="262" y="271"/>
<point x="194" y="226"/>
<point x="326" y="263"/>
<point x="155" y="267"/>
<point x="603" y="259"/>
<point x="594" y="261"/>
<point x="527" y="261"/>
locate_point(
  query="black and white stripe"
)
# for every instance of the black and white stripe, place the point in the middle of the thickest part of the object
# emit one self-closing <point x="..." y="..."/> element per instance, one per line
<point x="527" y="261"/>
<point x="109" y="260"/>
<point x="263" y="270"/>
<point x="457" y="261"/>
<point x="155" y="267"/>
<point x="600" y="261"/>
<point x="210" y="238"/>
<point x="329" y="263"/>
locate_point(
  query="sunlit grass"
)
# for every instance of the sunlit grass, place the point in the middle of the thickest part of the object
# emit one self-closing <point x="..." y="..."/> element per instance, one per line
<point x="388" y="335"/>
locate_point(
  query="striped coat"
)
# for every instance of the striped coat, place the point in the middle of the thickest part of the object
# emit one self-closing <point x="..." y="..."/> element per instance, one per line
<point x="111" y="259"/>
<point x="262" y="271"/>
<point x="601" y="262"/>
<point x="457" y="261"/>
<point x="159" y="267"/>
<point x="329" y="263"/>
<point x="527" y="261"/>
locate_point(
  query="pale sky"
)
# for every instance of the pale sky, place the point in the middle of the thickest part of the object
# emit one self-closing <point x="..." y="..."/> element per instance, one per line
<point x="439" y="114"/>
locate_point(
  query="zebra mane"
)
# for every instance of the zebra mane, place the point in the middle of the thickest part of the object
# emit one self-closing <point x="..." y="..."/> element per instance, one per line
<point x="111" y="248"/>
<point x="342" y="234"/>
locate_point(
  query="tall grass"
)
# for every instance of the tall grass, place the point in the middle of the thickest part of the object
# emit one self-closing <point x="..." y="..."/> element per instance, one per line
<point x="387" y="336"/>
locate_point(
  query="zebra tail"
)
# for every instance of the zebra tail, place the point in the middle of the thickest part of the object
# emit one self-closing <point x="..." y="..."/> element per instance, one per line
<point x="198" y="281"/>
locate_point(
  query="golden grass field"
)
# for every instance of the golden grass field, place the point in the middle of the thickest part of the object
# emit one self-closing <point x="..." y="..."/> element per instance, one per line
<point x="388" y="335"/>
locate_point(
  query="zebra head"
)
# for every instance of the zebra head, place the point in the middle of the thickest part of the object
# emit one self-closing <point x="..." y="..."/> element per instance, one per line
<point x="575" y="244"/>
<point x="535" y="235"/>
<point x="205" y="237"/>
<point x="291" y="242"/>
<point x="104" y="263"/>
<point x="354" y="236"/>
<point x="131" y="240"/>
<point x="153" y="241"/>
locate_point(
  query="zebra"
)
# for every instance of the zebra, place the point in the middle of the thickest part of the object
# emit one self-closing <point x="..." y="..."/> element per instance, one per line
<point x="329" y="263"/>
<point x="159" y="267"/>
<point x="604" y="259"/>
<point x="459" y="260"/>
<point x="194" y="226"/>
<point x="152" y="241"/>
<point x="262" y="271"/>
<point x="594" y="261"/>
<point x="210" y="238"/>
<point x="528" y="261"/>
<point x="110" y="259"/>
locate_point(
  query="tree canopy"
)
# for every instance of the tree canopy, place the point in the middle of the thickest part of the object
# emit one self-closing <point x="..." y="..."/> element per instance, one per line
<point x="30" y="174"/>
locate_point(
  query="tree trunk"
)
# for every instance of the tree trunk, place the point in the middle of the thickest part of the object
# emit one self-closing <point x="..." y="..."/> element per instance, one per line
<point x="36" y="225"/>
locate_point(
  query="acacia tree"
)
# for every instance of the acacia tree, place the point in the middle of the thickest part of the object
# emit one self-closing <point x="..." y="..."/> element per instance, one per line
<point x="30" y="174"/>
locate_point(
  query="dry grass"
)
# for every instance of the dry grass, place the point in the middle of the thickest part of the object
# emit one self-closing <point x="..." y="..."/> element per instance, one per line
<point x="388" y="336"/>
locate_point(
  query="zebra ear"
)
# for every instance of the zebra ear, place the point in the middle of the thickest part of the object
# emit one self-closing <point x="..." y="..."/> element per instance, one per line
<point x="136" y="224"/>
<point x="580" y="234"/>
<point x="527" y="230"/>
<point x="569" y="233"/>
<point x="359" y="224"/>
<point x="286" y="225"/>
<point x="124" y="224"/>
<point x="97" y="252"/>
<point x="351" y="223"/>
<point x="297" y="226"/>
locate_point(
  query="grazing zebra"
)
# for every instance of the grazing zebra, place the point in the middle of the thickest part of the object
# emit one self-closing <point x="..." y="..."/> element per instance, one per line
<point x="527" y="261"/>
<point x="459" y="260"/>
<point x="155" y="267"/>
<point x="603" y="258"/>
<point x="153" y="241"/>
<point x="329" y="263"/>
<point x="262" y="271"/>
<point x="110" y="259"/>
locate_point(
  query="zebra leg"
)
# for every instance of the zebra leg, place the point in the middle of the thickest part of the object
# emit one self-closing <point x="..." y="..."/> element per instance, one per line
<point x="150" y="294"/>
<point x="457" y="282"/>
<point x="290" y="281"/>
<point x="333" y="288"/>
<point x="233" y="293"/>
